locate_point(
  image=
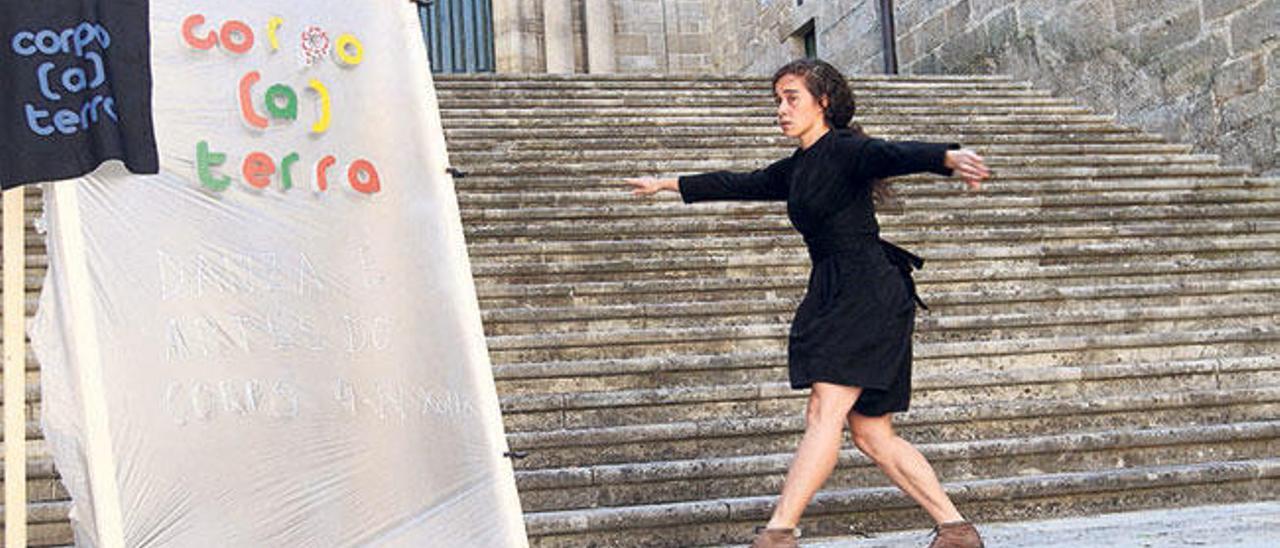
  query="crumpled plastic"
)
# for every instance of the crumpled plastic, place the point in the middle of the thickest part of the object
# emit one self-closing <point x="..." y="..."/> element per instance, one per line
<point x="274" y="362"/>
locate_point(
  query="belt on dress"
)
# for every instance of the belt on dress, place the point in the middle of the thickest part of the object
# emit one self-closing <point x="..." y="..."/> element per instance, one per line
<point x="905" y="261"/>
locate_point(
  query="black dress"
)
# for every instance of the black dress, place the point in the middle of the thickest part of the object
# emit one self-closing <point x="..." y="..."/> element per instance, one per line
<point x="854" y="325"/>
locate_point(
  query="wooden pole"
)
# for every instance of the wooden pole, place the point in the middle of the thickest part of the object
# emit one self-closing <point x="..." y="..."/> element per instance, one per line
<point x="15" y="370"/>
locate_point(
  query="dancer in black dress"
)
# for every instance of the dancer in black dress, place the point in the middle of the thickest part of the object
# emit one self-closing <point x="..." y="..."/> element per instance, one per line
<point x="850" y="341"/>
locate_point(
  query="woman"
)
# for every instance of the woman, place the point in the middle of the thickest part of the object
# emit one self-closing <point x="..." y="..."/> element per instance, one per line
<point x="850" y="341"/>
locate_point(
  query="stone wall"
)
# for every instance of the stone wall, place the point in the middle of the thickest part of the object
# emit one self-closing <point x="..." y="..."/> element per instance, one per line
<point x="653" y="36"/>
<point x="758" y="36"/>
<point x="1197" y="71"/>
<point x="667" y="36"/>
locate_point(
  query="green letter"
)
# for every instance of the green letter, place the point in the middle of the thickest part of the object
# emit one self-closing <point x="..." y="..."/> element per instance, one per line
<point x="206" y="159"/>
<point x="286" y="179"/>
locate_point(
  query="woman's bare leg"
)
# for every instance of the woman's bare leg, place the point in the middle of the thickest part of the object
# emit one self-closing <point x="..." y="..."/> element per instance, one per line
<point x="904" y="465"/>
<point x="816" y="456"/>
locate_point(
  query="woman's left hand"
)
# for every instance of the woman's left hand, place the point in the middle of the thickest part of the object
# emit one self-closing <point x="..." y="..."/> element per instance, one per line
<point x="969" y="166"/>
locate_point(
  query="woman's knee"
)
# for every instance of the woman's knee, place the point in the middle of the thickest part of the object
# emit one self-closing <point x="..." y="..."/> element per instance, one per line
<point x="829" y="404"/>
<point x="873" y="436"/>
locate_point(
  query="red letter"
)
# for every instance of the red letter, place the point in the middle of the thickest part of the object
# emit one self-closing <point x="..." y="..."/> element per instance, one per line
<point x="246" y="101"/>
<point x="188" y="28"/>
<point x="321" y="167"/>
<point x="258" y="168"/>
<point x="232" y="28"/>
<point x="370" y="184"/>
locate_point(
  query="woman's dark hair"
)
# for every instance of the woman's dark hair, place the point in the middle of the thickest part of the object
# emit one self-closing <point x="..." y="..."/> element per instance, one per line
<point x="825" y="81"/>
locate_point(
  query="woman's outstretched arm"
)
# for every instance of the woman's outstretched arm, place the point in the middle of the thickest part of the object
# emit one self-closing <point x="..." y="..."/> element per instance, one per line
<point x="879" y="159"/>
<point x="769" y="183"/>
<point x="646" y="186"/>
<point x="969" y="166"/>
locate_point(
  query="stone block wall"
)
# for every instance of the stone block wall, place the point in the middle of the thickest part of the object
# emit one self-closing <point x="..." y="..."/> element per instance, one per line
<point x="758" y="36"/>
<point x="650" y="36"/>
<point x="666" y="36"/>
<point x="1197" y="71"/>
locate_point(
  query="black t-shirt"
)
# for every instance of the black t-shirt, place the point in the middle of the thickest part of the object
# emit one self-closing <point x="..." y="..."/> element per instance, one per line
<point x="76" y="88"/>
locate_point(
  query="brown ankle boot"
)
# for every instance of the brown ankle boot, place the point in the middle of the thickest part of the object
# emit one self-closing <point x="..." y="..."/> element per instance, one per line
<point x="957" y="534"/>
<point x="776" y="538"/>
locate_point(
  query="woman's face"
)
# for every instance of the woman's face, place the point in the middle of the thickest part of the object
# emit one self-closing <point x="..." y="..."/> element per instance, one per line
<point x="799" y="112"/>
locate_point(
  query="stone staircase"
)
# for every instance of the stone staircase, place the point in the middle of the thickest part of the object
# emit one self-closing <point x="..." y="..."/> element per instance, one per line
<point x="1103" y="332"/>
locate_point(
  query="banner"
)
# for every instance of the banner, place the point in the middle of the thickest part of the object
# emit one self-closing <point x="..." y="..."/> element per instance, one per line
<point x="77" y="88"/>
<point x="275" y="341"/>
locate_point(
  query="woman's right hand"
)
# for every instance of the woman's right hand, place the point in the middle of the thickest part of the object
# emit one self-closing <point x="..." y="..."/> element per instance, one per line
<point x="646" y="186"/>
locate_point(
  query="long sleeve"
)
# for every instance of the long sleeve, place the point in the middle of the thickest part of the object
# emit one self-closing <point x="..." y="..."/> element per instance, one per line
<point x="881" y="159"/>
<point x="769" y="183"/>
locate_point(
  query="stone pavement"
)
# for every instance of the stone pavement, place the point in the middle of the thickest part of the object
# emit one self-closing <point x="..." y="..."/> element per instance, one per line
<point x="1252" y="525"/>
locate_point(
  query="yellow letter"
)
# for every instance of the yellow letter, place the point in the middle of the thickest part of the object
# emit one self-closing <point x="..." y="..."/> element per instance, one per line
<point x="273" y="24"/>
<point x="349" y="58"/>
<point x="321" y="125"/>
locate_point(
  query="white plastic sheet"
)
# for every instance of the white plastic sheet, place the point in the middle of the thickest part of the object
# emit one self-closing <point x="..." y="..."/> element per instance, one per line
<point x="275" y="366"/>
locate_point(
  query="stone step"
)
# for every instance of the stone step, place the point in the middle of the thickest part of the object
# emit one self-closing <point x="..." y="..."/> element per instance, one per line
<point x="700" y="138"/>
<point x="834" y="512"/>
<point x="1030" y="123"/>
<point x="778" y="426"/>
<point x="737" y="152"/>
<point x="43" y="481"/>
<point x="1181" y="166"/>
<point x="889" y="111"/>
<point x="626" y="165"/>
<point x="1050" y="247"/>
<point x="31" y="300"/>
<point x="742" y="367"/>
<point x="679" y="83"/>
<point x="942" y="296"/>
<point x="1000" y="318"/>
<point x="593" y="292"/>
<point x="32" y="430"/>
<point x="975" y="275"/>
<point x="497" y="194"/>
<point x="32" y="387"/>
<point x="784" y="146"/>
<point x="923" y="123"/>
<point x="870" y="107"/>
<point x="48" y="524"/>
<point x="712" y="220"/>
<point x="479" y="182"/>
<point x="934" y="386"/>
<point x="1242" y="524"/>
<point x="630" y="484"/>
<point x="769" y="330"/>
<point x="666" y="208"/>
<point x="672" y="85"/>
<point x="482" y="250"/>
<point x="863" y="95"/>
<point x="1001" y="133"/>
<point x="1248" y="333"/>
<point x="943" y="261"/>
<point x="870" y="99"/>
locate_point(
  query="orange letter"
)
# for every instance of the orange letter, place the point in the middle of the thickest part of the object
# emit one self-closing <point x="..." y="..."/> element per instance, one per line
<point x="321" y="167"/>
<point x="232" y="28"/>
<point x="246" y="101"/>
<point x="370" y="184"/>
<point x="188" y="33"/>
<point x="257" y="169"/>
